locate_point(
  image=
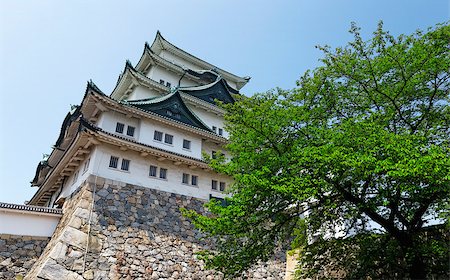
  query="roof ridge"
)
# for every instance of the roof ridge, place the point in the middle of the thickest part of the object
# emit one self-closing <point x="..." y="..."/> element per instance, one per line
<point x="162" y="40"/>
<point x="30" y="208"/>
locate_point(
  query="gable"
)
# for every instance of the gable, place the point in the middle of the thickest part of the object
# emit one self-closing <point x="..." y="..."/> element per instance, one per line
<point x="218" y="91"/>
<point x="170" y="106"/>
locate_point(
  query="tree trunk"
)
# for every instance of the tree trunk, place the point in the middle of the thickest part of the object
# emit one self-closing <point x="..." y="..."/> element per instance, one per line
<point x="417" y="267"/>
<point x="416" y="264"/>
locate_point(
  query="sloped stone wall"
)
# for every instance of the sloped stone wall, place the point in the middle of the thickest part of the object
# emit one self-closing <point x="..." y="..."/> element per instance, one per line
<point x="18" y="254"/>
<point x="131" y="232"/>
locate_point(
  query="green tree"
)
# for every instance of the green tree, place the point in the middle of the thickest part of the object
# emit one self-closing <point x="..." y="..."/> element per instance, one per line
<point x="362" y="146"/>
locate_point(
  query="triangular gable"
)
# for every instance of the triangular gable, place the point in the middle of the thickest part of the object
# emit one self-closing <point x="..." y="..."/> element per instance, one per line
<point x="218" y="90"/>
<point x="170" y="106"/>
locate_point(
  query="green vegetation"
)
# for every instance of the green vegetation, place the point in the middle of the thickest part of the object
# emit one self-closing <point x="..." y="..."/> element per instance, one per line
<point x="363" y="140"/>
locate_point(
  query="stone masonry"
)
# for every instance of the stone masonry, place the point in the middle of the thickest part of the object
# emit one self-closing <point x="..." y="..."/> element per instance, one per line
<point x="129" y="232"/>
<point x="18" y="254"/>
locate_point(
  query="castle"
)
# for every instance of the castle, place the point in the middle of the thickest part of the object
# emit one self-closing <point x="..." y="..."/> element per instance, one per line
<point x="108" y="196"/>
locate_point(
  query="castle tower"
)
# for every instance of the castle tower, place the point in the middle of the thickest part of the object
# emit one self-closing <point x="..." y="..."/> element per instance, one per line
<point x="124" y="164"/>
<point x="151" y="131"/>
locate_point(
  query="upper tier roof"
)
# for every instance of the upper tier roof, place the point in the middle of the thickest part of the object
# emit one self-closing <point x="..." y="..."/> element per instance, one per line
<point x="171" y="106"/>
<point x="218" y="90"/>
<point x="160" y="44"/>
<point x="130" y="78"/>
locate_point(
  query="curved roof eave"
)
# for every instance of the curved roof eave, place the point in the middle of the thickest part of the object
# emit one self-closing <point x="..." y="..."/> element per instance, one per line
<point x="199" y="124"/>
<point x="166" y="45"/>
<point x="130" y="74"/>
<point x="112" y="102"/>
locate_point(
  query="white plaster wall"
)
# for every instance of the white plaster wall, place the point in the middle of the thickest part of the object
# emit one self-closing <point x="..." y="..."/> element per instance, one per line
<point x="70" y="185"/>
<point x="145" y="130"/>
<point x="141" y="92"/>
<point x="209" y="118"/>
<point x="138" y="173"/>
<point x="108" y="121"/>
<point x="156" y="73"/>
<point x="177" y="60"/>
<point x="147" y="134"/>
<point x="209" y="147"/>
<point x="27" y="223"/>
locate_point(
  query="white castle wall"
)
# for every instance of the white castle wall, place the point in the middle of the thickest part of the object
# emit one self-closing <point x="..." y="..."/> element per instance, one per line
<point x="145" y="130"/>
<point x="138" y="173"/>
<point x="156" y="73"/>
<point x="177" y="60"/>
<point x="141" y="92"/>
<point x="16" y="222"/>
<point x="210" y="119"/>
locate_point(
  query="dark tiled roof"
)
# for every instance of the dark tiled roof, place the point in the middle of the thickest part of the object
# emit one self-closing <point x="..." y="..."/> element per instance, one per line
<point x="219" y="90"/>
<point x="170" y="106"/>
<point x="30" y="208"/>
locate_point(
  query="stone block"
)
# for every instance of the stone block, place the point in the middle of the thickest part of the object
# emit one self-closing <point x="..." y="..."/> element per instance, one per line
<point x="59" y="251"/>
<point x="75" y="222"/>
<point x="74" y="237"/>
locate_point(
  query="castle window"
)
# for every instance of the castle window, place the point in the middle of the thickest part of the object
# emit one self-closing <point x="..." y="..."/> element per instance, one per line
<point x="186" y="144"/>
<point x="194" y="180"/>
<point x="125" y="164"/>
<point x="169" y="113"/>
<point x="222" y="186"/>
<point x="214" y="185"/>
<point x="161" y="81"/>
<point x="158" y="135"/>
<point x="214" y="129"/>
<point x="113" y="161"/>
<point x="214" y="154"/>
<point x="130" y="130"/>
<point x="119" y="127"/>
<point x="220" y="131"/>
<point x="152" y="171"/>
<point x="185" y="179"/>
<point x="168" y="84"/>
<point x="86" y="165"/>
<point x="75" y="177"/>
<point x="168" y="139"/>
<point x="163" y="173"/>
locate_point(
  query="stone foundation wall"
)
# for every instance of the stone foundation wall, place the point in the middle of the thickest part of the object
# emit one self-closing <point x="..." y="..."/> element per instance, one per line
<point x="129" y="232"/>
<point x="18" y="254"/>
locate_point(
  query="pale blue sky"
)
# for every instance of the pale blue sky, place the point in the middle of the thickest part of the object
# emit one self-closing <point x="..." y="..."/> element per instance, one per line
<point x="49" y="49"/>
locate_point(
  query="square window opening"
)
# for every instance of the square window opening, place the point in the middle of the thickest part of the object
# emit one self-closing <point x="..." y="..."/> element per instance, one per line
<point x="163" y="173"/>
<point x="119" y="127"/>
<point x="113" y="161"/>
<point x="125" y="164"/>
<point x="185" y="179"/>
<point x="214" y="184"/>
<point x="168" y="139"/>
<point x="152" y="172"/>
<point x="194" y="180"/>
<point x="158" y="135"/>
<point x="130" y="130"/>
<point x="186" y="144"/>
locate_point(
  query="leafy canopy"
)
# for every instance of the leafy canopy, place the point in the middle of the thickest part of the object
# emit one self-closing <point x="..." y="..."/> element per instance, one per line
<point x="356" y="158"/>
